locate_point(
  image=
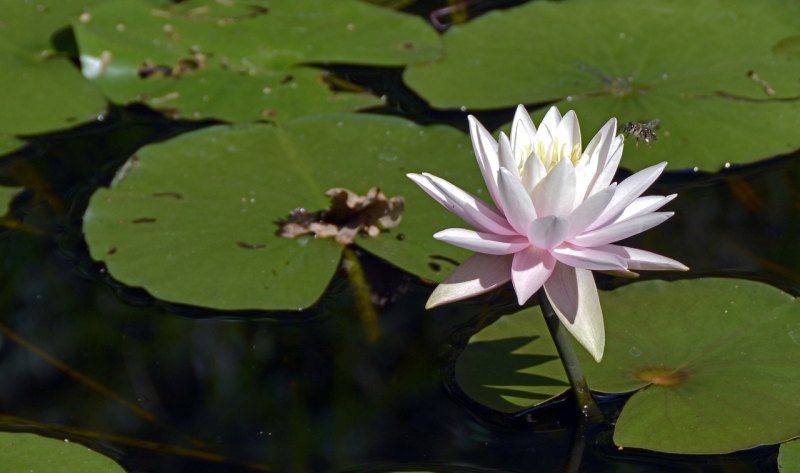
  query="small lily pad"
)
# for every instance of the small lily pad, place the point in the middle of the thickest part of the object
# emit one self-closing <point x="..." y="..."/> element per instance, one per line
<point x="721" y="77"/>
<point x="244" y="61"/>
<point x="789" y="457"/>
<point x="21" y="452"/>
<point x="713" y="361"/>
<point x="194" y="220"/>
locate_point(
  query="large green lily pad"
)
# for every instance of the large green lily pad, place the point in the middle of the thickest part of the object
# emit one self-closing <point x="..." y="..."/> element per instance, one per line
<point x="714" y="362"/>
<point x="23" y="453"/>
<point x="698" y="66"/>
<point x="789" y="457"/>
<point x="192" y="220"/>
<point x="244" y="61"/>
<point x="40" y="89"/>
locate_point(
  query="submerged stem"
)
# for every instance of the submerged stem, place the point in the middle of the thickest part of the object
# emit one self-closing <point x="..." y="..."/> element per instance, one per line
<point x="570" y="361"/>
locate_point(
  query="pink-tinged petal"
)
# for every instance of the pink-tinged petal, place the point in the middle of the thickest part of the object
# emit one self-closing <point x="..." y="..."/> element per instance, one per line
<point x="568" y="134"/>
<point x="533" y="172"/>
<point x="589" y="258"/>
<point x="516" y="201"/>
<point x="487" y="243"/>
<point x="588" y="211"/>
<point x="547" y="232"/>
<point x="644" y="205"/>
<point x="573" y="295"/>
<point x="529" y="270"/>
<point x="621" y="230"/>
<point x="555" y="194"/>
<point x="627" y="191"/>
<point x="478" y="274"/>
<point x="505" y="155"/>
<point x="644" y="260"/>
<point x="466" y="206"/>
<point x="485" y="148"/>
<point x="522" y="133"/>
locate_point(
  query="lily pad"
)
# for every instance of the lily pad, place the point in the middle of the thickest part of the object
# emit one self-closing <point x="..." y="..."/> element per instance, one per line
<point x="194" y="220"/>
<point x="7" y="194"/>
<point x="720" y="76"/>
<point x="244" y="61"/>
<point x="713" y="361"/>
<point x="789" y="457"/>
<point x="40" y="89"/>
<point x="21" y="452"/>
<point x="9" y="144"/>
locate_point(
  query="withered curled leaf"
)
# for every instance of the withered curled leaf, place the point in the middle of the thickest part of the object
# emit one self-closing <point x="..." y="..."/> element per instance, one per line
<point x="348" y="215"/>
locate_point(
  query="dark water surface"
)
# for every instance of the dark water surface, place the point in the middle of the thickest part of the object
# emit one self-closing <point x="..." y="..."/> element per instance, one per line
<point x="164" y="388"/>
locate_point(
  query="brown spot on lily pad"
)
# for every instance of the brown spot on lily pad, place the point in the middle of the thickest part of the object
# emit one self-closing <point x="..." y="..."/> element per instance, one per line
<point x="349" y="215"/>
<point x="174" y="195"/>
<point x="144" y="220"/>
<point x="250" y="246"/>
<point x="663" y="376"/>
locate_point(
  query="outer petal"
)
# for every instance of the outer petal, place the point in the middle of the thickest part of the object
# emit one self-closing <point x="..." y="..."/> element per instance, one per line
<point x="468" y="207"/>
<point x="573" y="294"/>
<point x="529" y="271"/>
<point x="555" y="195"/>
<point x="609" y="169"/>
<point x="516" y="201"/>
<point x="644" y="205"/>
<point x="478" y="274"/>
<point x="482" y="242"/>
<point x="644" y="260"/>
<point x="485" y="148"/>
<point x="589" y="258"/>
<point x="627" y="191"/>
<point x="522" y="133"/>
<point x="620" y="230"/>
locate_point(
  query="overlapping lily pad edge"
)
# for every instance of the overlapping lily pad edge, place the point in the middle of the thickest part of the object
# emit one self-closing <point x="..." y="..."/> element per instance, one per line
<point x="712" y="364"/>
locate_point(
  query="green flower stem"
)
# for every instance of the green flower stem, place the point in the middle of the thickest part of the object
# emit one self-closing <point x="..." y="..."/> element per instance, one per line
<point x="570" y="361"/>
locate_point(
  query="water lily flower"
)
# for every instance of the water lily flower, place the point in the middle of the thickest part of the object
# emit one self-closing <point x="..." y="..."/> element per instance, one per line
<point x="555" y="219"/>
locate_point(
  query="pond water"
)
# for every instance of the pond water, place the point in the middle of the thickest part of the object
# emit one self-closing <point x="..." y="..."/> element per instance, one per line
<point x="163" y="387"/>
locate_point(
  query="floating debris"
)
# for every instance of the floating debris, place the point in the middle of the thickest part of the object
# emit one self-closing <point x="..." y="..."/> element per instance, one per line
<point x="348" y="215"/>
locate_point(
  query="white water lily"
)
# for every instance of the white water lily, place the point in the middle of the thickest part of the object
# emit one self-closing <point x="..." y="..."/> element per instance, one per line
<point x="556" y="217"/>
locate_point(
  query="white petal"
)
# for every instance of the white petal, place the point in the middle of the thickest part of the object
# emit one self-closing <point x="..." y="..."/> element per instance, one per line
<point x="644" y="260"/>
<point x="482" y="242"/>
<point x="644" y="205"/>
<point x="606" y="174"/>
<point x="522" y="133"/>
<point x="589" y="258"/>
<point x="548" y="126"/>
<point x="529" y="271"/>
<point x="485" y="148"/>
<point x="621" y="230"/>
<point x="568" y="134"/>
<point x="516" y="201"/>
<point x="469" y="208"/>
<point x="547" y="232"/>
<point x="573" y="294"/>
<point x="533" y="172"/>
<point x="588" y="211"/>
<point x="505" y="155"/>
<point x="555" y="195"/>
<point x="627" y="191"/>
<point x="478" y="274"/>
<point x="594" y="158"/>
